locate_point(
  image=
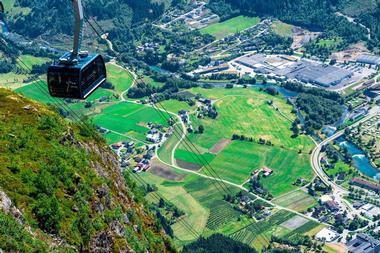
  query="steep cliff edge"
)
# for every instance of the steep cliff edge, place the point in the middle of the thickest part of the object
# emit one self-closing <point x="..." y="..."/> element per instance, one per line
<point x="61" y="188"/>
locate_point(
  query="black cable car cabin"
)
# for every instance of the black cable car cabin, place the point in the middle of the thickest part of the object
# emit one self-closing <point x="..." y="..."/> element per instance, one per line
<point x="77" y="74"/>
<point x="77" y="80"/>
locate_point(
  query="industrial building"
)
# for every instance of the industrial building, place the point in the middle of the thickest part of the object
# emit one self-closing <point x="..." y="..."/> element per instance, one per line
<point x="363" y="244"/>
<point x="372" y="60"/>
<point x="290" y="68"/>
<point x="322" y="75"/>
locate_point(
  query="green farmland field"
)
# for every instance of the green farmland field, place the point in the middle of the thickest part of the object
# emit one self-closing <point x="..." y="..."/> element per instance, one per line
<point x="119" y="77"/>
<point x="202" y="201"/>
<point x="28" y="61"/>
<point x="230" y="26"/>
<point x="257" y="234"/>
<point x="251" y="116"/>
<point x="188" y="156"/>
<point x="298" y="201"/>
<point x="9" y="6"/>
<point x="282" y="29"/>
<point x="175" y="105"/>
<point x="239" y="159"/>
<point x="247" y="112"/>
<point x="39" y="92"/>
<point x="129" y="119"/>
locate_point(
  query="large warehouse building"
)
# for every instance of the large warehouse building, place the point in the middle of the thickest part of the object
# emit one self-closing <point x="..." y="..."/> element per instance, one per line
<point x="323" y="75"/>
<point x="372" y="60"/>
<point x="303" y="70"/>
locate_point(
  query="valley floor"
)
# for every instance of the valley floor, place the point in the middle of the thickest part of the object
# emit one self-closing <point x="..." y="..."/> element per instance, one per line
<point x="189" y="167"/>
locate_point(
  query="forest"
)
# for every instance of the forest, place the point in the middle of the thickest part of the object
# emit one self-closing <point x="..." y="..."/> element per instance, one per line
<point x="217" y="244"/>
<point x="122" y="12"/>
<point x="315" y="15"/>
<point x="319" y="111"/>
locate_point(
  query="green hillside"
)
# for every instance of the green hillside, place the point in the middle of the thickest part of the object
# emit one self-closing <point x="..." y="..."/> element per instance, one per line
<point x="64" y="184"/>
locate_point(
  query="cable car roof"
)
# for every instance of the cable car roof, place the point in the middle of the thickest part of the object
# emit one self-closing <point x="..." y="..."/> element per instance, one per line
<point x="82" y="61"/>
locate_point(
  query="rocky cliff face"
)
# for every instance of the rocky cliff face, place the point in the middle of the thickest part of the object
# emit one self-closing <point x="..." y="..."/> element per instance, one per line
<point x="61" y="188"/>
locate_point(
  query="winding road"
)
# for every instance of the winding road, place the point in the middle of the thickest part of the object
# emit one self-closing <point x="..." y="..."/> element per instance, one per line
<point x="337" y="190"/>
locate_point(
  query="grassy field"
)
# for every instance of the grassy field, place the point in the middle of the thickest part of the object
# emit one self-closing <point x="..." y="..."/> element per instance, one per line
<point x="9" y="6"/>
<point x="202" y="201"/>
<point x="239" y="159"/>
<point x="330" y="43"/>
<point x="119" y="77"/>
<point x="165" y="151"/>
<point x="230" y="26"/>
<point x="298" y="201"/>
<point x="28" y="61"/>
<point x="37" y="91"/>
<point x="16" y="80"/>
<point x="246" y="112"/>
<point x="258" y="234"/>
<point x="149" y="80"/>
<point x="129" y="119"/>
<point x="188" y="156"/>
<point x="282" y="29"/>
<point x="339" y="167"/>
<point x="175" y="105"/>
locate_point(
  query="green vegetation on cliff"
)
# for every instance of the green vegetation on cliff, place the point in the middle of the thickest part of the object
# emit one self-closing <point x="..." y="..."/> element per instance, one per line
<point x="64" y="183"/>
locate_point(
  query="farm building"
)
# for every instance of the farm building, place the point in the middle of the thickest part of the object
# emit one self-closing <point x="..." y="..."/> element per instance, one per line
<point x="325" y="198"/>
<point x="267" y="172"/>
<point x="214" y="69"/>
<point x="117" y="146"/>
<point x="153" y="138"/>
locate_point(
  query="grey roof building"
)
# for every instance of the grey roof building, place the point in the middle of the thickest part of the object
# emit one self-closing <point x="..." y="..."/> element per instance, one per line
<point x="369" y="59"/>
<point x="363" y="243"/>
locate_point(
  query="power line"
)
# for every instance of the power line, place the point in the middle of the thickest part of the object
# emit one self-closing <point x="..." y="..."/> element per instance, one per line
<point x="40" y="85"/>
<point x="188" y="148"/>
<point x="158" y="196"/>
<point x="206" y="165"/>
<point x="205" y="162"/>
<point x="64" y="104"/>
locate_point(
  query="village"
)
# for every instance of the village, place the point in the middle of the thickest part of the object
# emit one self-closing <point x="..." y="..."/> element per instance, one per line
<point x="196" y="16"/>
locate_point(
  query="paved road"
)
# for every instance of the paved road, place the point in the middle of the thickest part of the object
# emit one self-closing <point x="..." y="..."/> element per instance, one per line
<point x="225" y="182"/>
<point x="315" y="161"/>
<point x="352" y="20"/>
<point x="338" y="191"/>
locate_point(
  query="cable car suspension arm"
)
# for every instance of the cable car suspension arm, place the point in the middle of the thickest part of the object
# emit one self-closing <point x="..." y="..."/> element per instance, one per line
<point x="78" y="26"/>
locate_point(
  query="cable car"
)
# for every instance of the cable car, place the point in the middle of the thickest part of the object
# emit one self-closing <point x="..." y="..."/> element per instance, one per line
<point x="77" y="80"/>
<point x="76" y="74"/>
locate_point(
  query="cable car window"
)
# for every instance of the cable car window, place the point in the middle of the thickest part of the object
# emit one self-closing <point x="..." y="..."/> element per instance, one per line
<point x="63" y="81"/>
<point x="89" y="75"/>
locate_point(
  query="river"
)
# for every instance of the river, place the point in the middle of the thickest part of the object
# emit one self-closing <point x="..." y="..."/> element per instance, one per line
<point x="361" y="162"/>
